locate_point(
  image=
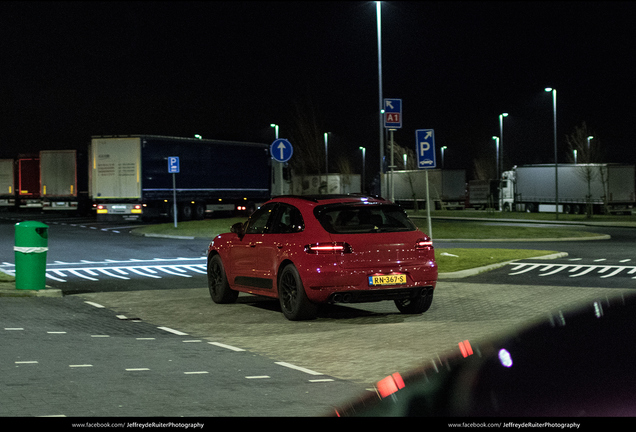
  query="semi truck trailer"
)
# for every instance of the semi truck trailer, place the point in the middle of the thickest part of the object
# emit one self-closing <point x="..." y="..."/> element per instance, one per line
<point x="447" y="188"/>
<point x="605" y="188"/>
<point x="132" y="177"/>
<point x="58" y="180"/>
<point x="7" y="188"/>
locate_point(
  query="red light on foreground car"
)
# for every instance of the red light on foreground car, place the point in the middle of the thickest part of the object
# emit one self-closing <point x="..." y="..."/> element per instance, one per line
<point x="390" y="385"/>
<point x="322" y="248"/>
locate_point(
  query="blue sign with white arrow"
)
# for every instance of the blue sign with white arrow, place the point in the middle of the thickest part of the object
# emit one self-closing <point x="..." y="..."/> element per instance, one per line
<point x="173" y="164"/>
<point x="281" y="150"/>
<point x="425" y="148"/>
<point x="392" y="113"/>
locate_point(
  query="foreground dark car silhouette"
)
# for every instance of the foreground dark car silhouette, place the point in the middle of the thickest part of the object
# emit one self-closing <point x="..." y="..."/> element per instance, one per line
<point x="577" y="363"/>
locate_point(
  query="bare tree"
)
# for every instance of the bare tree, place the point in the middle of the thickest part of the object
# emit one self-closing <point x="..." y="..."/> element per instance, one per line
<point x="583" y="151"/>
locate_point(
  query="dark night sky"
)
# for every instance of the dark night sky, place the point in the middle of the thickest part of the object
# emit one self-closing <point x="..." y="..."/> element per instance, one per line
<point x="226" y="70"/>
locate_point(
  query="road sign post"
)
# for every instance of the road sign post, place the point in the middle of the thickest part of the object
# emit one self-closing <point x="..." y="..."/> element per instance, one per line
<point x="174" y="168"/>
<point x="425" y="151"/>
<point x="392" y="121"/>
<point x="281" y="151"/>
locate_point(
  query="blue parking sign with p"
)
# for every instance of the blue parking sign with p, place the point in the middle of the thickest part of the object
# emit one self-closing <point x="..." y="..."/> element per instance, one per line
<point x="425" y="148"/>
<point x="173" y="164"/>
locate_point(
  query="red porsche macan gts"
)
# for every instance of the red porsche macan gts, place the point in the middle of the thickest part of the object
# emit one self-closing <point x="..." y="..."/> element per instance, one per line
<point x="308" y="250"/>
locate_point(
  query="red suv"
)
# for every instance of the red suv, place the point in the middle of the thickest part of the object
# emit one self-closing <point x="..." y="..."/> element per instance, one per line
<point x="308" y="250"/>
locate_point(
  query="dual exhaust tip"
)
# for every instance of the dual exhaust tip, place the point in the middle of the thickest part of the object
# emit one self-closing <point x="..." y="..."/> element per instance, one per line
<point x="341" y="298"/>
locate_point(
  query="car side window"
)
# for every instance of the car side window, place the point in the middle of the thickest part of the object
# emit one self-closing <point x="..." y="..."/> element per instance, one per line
<point x="289" y="220"/>
<point x="259" y="222"/>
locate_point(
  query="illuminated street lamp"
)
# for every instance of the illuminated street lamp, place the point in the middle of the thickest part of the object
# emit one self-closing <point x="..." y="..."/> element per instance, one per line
<point x="588" y="142"/>
<point x="556" y="165"/>
<point x="275" y="126"/>
<point x="442" y="149"/>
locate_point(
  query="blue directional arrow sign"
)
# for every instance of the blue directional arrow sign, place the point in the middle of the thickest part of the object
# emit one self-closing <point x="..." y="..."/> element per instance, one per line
<point x="425" y="148"/>
<point x="281" y="150"/>
<point x="392" y="113"/>
<point x="173" y="164"/>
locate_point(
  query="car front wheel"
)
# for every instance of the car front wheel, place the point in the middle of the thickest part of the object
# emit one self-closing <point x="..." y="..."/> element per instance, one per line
<point x="291" y="294"/>
<point x="415" y="306"/>
<point x="220" y="290"/>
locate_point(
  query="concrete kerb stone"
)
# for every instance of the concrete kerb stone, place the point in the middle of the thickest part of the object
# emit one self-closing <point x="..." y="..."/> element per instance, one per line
<point x="470" y="272"/>
<point x="8" y="289"/>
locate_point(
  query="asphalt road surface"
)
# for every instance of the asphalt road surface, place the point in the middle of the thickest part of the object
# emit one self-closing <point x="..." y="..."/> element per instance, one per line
<point x="137" y="335"/>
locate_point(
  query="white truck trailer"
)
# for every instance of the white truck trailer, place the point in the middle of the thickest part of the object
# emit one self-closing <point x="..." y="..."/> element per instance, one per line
<point x="58" y="180"/>
<point x="607" y="188"/>
<point x="447" y="188"/>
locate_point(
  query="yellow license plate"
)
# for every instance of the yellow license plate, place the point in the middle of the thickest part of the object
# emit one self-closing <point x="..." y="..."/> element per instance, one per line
<point x="393" y="279"/>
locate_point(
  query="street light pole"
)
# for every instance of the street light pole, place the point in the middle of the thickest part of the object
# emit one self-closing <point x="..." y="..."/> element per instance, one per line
<point x="379" y="24"/>
<point x="277" y="167"/>
<point x="442" y="149"/>
<point x="496" y="138"/>
<point x="556" y="164"/>
<point x="327" y="161"/>
<point x="363" y="168"/>
<point x="501" y="116"/>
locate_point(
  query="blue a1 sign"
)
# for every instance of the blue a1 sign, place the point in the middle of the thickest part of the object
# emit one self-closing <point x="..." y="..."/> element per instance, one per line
<point x="392" y="113"/>
<point x="425" y="148"/>
<point x="281" y="150"/>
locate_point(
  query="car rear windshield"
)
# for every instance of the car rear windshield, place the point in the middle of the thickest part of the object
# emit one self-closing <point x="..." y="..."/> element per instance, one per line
<point x="363" y="218"/>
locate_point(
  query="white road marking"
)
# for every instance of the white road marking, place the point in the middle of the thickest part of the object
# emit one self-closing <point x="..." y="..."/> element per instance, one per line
<point x="230" y="347"/>
<point x="177" y="332"/>
<point x="577" y="270"/>
<point x="302" y="369"/>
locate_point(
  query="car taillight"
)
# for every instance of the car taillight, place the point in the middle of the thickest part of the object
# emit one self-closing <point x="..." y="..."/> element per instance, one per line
<point x="424" y="244"/>
<point x="328" y="247"/>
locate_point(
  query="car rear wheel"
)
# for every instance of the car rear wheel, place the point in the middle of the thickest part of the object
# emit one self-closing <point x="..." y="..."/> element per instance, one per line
<point x="293" y="299"/>
<point x="415" y="306"/>
<point x="220" y="290"/>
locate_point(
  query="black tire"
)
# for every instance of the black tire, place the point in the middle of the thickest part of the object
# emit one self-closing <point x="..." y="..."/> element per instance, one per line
<point x="293" y="299"/>
<point x="415" y="306"/>
<point x="199" y="211"/>
<point x="185" y="212"/>
<point x="220" y="290"/>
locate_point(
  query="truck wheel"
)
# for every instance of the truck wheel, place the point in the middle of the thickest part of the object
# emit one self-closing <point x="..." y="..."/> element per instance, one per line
<point x="415" y="306"/>
<point x="218" y="286"/>
<point x="292" y="297"/>
<point x="199" y="211"/>
<point x="185" y="211"/>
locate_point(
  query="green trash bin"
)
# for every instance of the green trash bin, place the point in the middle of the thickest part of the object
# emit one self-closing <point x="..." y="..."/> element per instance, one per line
<point x="31" y="245"/>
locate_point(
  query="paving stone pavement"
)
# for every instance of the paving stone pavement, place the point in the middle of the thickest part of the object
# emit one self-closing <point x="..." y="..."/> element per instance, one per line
<point x="363" y="342"/>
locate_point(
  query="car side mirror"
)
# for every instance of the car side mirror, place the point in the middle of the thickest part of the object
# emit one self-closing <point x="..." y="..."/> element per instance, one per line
<point x="238" y="229"/>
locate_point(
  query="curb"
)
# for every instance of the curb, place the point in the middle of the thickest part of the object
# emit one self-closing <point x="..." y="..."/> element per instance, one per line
<point x="471" y="272"/>
<point x="8" y="289"/>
